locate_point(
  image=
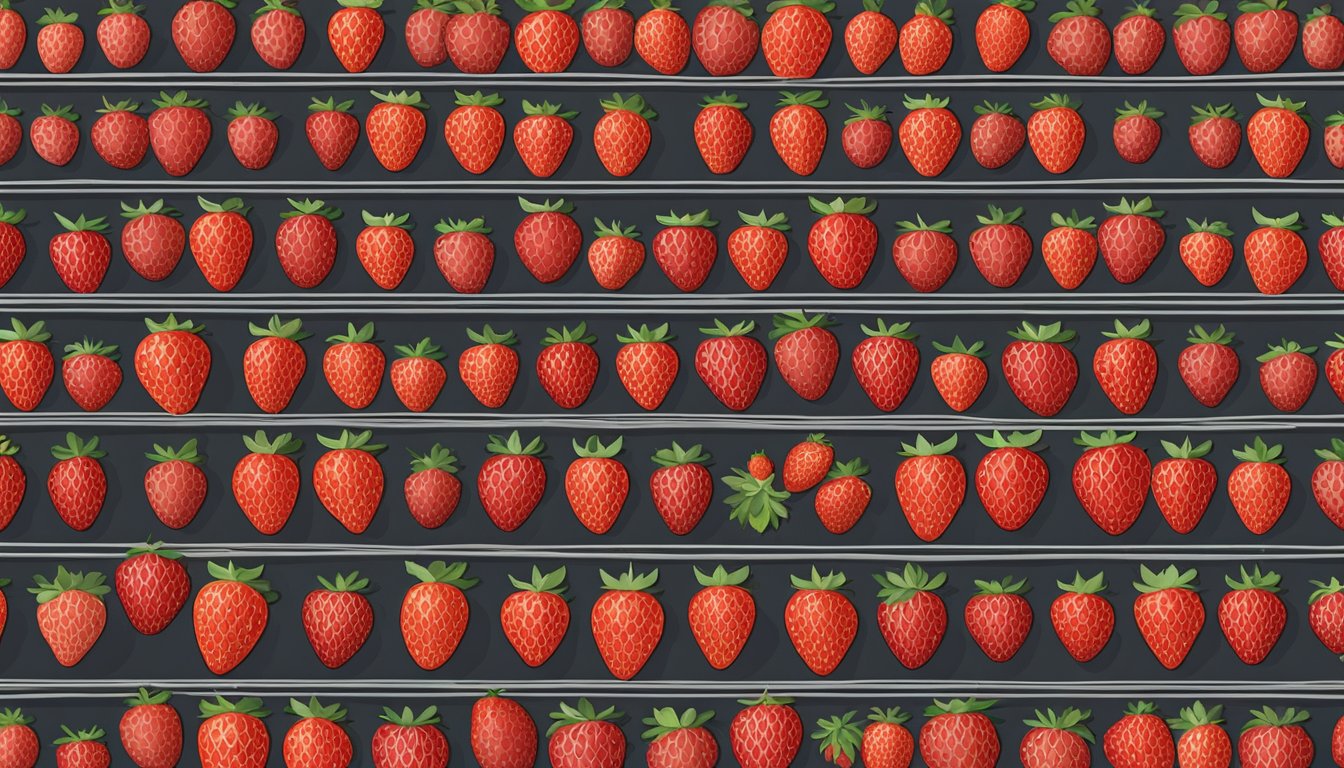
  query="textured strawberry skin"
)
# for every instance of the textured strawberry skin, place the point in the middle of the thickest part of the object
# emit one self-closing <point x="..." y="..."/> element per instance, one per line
<point x="842" y="247"/>
<point x="929" y="138"/>
<point x="1111" y="483"/>
<point x="1001" y="36"/>
<point x="1081" y="45"/>
<point x="386" y="254"/>
<point x="1011" y="484"/>
<point x="686" y="255"/>
<point x="542" y="142"/>
<point x="13" y="37"/>
<point x="121" y="139"/>
<point x="1056" y="136"/>
<point x="55" y="139"/>
<point x="621" y="138"/>
<point x="732" y="368"/>
<point x="417" y="382"/>
<point x="28" y="370"/>
<point x="475" y="135"/>
<point x="866" y="142"/>
<point x="175" y="491"/>
<point x="203" y="32"/>
<point x="663" y="40"/>
<point x="81" y="259"/>
<point x="592" y="744"/>
<point x="153" y="245"/>
<point x="925" y="43"/>
<point x="547" y="243"/>
<point x="1069" y="254"/>
<point x="13" y="248"/>
<point x="1139" y="740"/>
<point x="647" y="370"/>
<point x="476" y="42"/>
<point x="1001" y="253"/>
<point x="1266" y="745"/>
<point x="806" y="359"/>
<point x="724" y="40"/>
<point x="546" y="41"/>
<point x="228" y="618"/>
<point x="349" y="483"/>
<point x="913" y="629"/>
<point x="71" y="623"/>
<point x="1252" y="621"/>
<point x="681" y="494"/>
<point x="959" y="379"/>
<point x="1204" y="745"/>
<point x="1209" y="371"/>
<point x="925" y="259"/>
<point x="77" y="488"/>
<point x="721" y="620"/>
<point x="354" y="371"/>
<point x="1169" y="620"/>
<point x="568" y="371"/>
<point x="966" y="740"/>
<point x="627" y="627"/>
<point x="1278" y="139"/>
<point x="179" y="135"/>
<point x="433" y="619"/>
<point x="1265" y="39"/>
<point x="152" y="589"/>
<point x="798" y="133"/>
<point x="930" y="490"/>
<point x="398" y="746"/>
<point x="766" y="736"/>
<point x="316" y="742"/>
<point x="489" y="372"/>
<point x="502" y="734"/>
<point x="151" y="734"/>
<point x="722" y="135"/>
<point x="1259" y="493"/>
<point x="266" y="487"/>
<point x="870" y="39"/>
<point x="59" y="47"/>
<point x="1202" y="44"/>
<point x="233" y="740"/>
<point x="431" y="496"/>
<point x="999" y="624"/>
<point x="272" y="370"/>
<point x="337" y="624"/>
<point x="1083" y="623"/>
<point x="1288" y="380"/>
<point x="1041" y="375"/>
<point x="333" y="136"/>
<point x="13" y="485"/>
<point x="608" y="35"/>
<point x="1126" y="369"/>
<point x="821" y="625"/>
<point x="1182" y="489"/>
<point x="510" y="487"/>
<point x="885" y="368"/>
<point x="221" y="244"/>
<point x="253" y="140"/>
<point x="173" y="367"/>
<point x="277" y="37"/>
<point x="1138" y="41"/>
<point x="1216" y="141"/>
<point x="795" y="40"/>
<point x="534" y="623"/>
<point x="596" y="489"/>
<point x="395" y="132"/>
<point x="1045" y="747"/>
<point x="11" y="136"/>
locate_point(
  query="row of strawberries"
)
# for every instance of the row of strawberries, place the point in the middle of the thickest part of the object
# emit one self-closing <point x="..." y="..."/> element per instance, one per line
<point x="794" y="39"/>
<point x="766" y="733"/>
<point x="179" y="129"/>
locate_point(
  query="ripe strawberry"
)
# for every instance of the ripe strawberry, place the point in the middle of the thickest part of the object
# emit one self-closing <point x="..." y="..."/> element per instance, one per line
<point x="18" y="741"/>
<point x="536" y="616"/>
<point x="353" y="366"/>
<point x="866" y="137"/>
<point x="152" y="585"/>
<point x="151" y="730"/>
<point x="1326" y="614"/>
<point x="621" y="136"/>
<point x="1323" y="39"/>
<point x="265" y="481"/>
<point x="731" y="363"/>
<point x="203" y="32"/>
<point x="924" y="253"/>
<point x="511" y="482"/>
<point x="76" y="483"/>
<point x="1039" y="368"/>
<point x="615" y="255"/>
<point x="547" y="239"/>
<point x="930" y="486"/>
<point x="1130" y="238"/>
<point x="348" y="478"/>
<point x="305" y="241"/>
<point x="627" y="621"/>
<point x="60" y="42"/>
<point x="1334" y="366"/>
<point x="70" y="612"/>
<point x="13" y="36"/>
<point x="502" y="733"/>
<point x="807" y="463"/>
<point x="547" y="37"/>
<point x="796" y="37"/>
<point x="12" y="245"/>
<point x="1082" y="618"/>
<point x="316" y="739"/>
<point x="1184" y="483"/>
<point x="929" y="135"/>
<point x="1057" y="739"/>
<point x="798" y="129"/>
<point x="152" y="239"/>
<point x="725" y="37"/>
<point x="1069" y="249"/>
<point x="1206" y="250"/>
<point x="173" y="363"/>
<point x="1202" y="36"/>
<point x="998" y="617"/>
<point x="1265" y="34"/>
<point x="997" y="135"/>
<point x="464" y="253"/>
<point x="418" y="375"/>
<point x="1079" y="42"/>
<point x="26" y="365"/>
<point x="820" y="620"/>
<point x="843" y="242"/>
<point x="1126" y="366"/>
<point x="843" y="497"/>
<point x="1140" y="738"/>
<point x="278" y="32"/>
<point x="722" y="132"/>
<point x="230" y="614"/>
<point x="175" y="484"/>
<point x="926" y="39"/>
<point x="179" y="127"/>
<point x="396" y="128"/>
<point x="1111" y="479"/>
<point x="385" y="248"/>
<point x="721" y="614"/>
<point x="1011" y="478"/>
<point x="434" y="614"/>
<point x="767" y="733"/>
<point x="11" y="130"/>
<point x="958" y="734"/>
<point x="54" y="135"/>
<point x="475" y="130"/>
<point x="337" y="618"/>
<point x="870" y="37"/>
<point x="90" y="373"/>
<point x="1287" y="375"/>
<point x="1138" y="38"/>
<point x="597" y="484"/>
<point x="1169" y="613"/>
<point x="1056" y="132"/>
<point x="1000" y="247"/>
<point x="1203" y="741"/>
<point x="476" y="37"/>
<point x="1215" y="135"/>
<point x="432" y="490"/>
<point x="13" y="484"/>
<point x="886" y="363"/>
<point x="252" y="135"/>
<point x="490" y="367"/>
<point x="1278" y="135"/>
<point x="682" y="741"/>
<point x="232" y="733"/>
<point x="1327" y="481"/>
<point x="759" y="466"/>
<point x="911" y="617"/>
<point x="425" y="30"/>
<point x="806" y="352"/>
<point x="356" y="33"/>
<point x="647" y="364"/>
<point x="1275" y="253"/>
<point x="1209" y="366"/>
<point x="582" y="737"/>
<point x="1331" y="247"/>
<point x="662" y="38"/>
<point x="274" y="364"/>
<point x="119" y="135"/>
<point x="1136" y="133"/>
<point x="686" y="248"/>
<point x="408" y="739"/>
<point x="608" y="32"/>
<point x="567" y="366"/>
<point x="1252" y="616"/>
<point x="681" y="488"/>
<point x="1276" y="739"/>
<point x="82" y="749"/>
<point x="1259" y="486"/>
<point x="1002" y="32"/>
<point x="543" y="137"/>
<point x="332" y="131"/>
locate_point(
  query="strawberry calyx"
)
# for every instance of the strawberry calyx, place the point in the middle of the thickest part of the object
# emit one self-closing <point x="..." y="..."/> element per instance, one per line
<point x="998" y="107"/>
<point x="279" y="329"/>
<point x="171" y="323"/>
<point x="721" y="331"/>
<point x="1186" y="450"/>
<point x="255" y="109"/>
<point x="1331" y="120"/>
<point x="911" y="580"/>
<point x="812" y="99"/>
<point x="892" y="715"/>
<point x="437" y="457"/>
<point x="776" y="221"/>
<point x="1219" y="228"/>
<point x="674" y="219"/>
<point x="820" y="6"/>
<point x="1291" y="222"/>
<point x="1056" y="101"/>
<point x="615" y="229"/>
<point x="56" y="16"/>
<point x="1047" y="333"/>
<point x="1168" y="578"/>
<point x="722" y="577"/>
<point x="866" y="111"/>
<point x="665" y="720"/>
<point x="178" y="99"/>
<point x="63" y="112"/>
<point x="1196" y="715"/>
<point x="391" y="219"/>
<point x="582" y="712"/>
<point x="1328" y="219"/>
<point x="724" y="99"/>
<point x="839" y="736"/>
<point x="998" y="216"/>
<point x="407" y="718"/>
<point x="10" y="717"/>
<point x="551" y="583"/>
<point x="1138" y="110"/>
<point x="547" y="109"/>
<point x="513" y="445"/>
<point x="125" y="105"/>
<point x="1094" y="585"/>
<point x="37" y="332"/>
<point x="248" y="705"/>
<point x="858" y="205"/>
<point x="1281" y="102"/>
<point x="1319" y="11"/>
<point x="7" y="110"/>
<point x="1141" y="330"/>
<point x="14" y="215"/>
<point x="1334" y="453"/>
<point x="1012" y="440"/>
<point x="146" y="697"/>
<point x="1265" y="582"/>
<point x="1140" y="8"/>
<point x="1104" y="439"/>
<point x="959" y="347"/>
<point x="919" y="225"/>
<point x="577" y="335"/>
<point x="287" y="6"/>
<point x="316" y="710"/>
<point x="72" y="737"/>
<point x="1260" y="6"/>
<point x="540" y="6"/>
<point x="629" y="581"/>
<point x="81" y="224"/>
<point x="632" y="103"/>
<point x="165" y="453"/>
<point x="155" y="548"/>
<point x="372" y="4"/>
<point x="1004" y="586"/>
<point x="477" y="99"/>
<point x="76" y="447"/>
<point x="881" y="329"/>
<point x="602" y="5"/>
<point x="1285" y="347"/>
<point x="677" y="456"/>
<point x="1076" y="8"/>
<point x="788" y="322"/>
<point x="47" y="590"/>
<point x="958" y="706"/>
<point x="560" y="205"/>
<point x="741" y="6"/>
<point x="1267" y="717"/>
<point x="1071" y="719"/>
<point x="1072" y="221"/>
<point x="1323" y="589"/>
<point x="248" y="577"/>
<point x="120" y="6"/>
<point x="593" y="447"/>
<point x="422" y="348"/>
<point x="645" y="335"/>
<point x="1188" y="11"/>
<point x="329" y="104"/>
<point x="852" y="468"/>
<point x="1210" y="112"/>
<point x="833" y="581"/>
<point x="284" y="444"/>
<point x="230" y="205"/>
<point x="353" y="335"/>
<point x="755" y="502"/>
<point x="929" y="101"/>
<point x="7" y="446"/>
<point x="1136" y="708"/>
<point x="402" y="98"/>
<point x="307" y="207"/>
<point x="352" y="441"/>
<point x="936" y="8"/>
<point x="1260" y="452"/>
<point x="922" y="447"/>
<point x="448" y="226"/>
<point x="344" y="582"/>
<point x="440" y="572"/>
<point x="1142" y="207"/>
<point x="1219" y="335"/>
<point x="467" y="7"/>
<point x="766" y="700"/>
<point x="140" y="209"/>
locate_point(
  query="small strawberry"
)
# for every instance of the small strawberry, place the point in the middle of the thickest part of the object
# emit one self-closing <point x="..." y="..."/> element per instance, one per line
<point x="547" y="37"/>
<point x="1140" y="738"/>
<point x="151" y="730"/>
<point x="120" y="136"/>
<point x="1323" y="39"/>
<point x="252" y="135"/>
<point x="490" y="367"/>
<point x="274" y="364"/>
<point x="426" y="28"/>
<point x="843" y="497"/>
<point x="721" y="614"/>
<point x="1039" y="368"/>
<point x="1327" y="481"/>
<point x="725" y="37"/>
<point x="385" y="248"/>
<point x="348" y="478"/>
<point x="807" y="463"/>
<point x="681" y="740"/>
<point x="331" y="131"/>
<point x="1126" y="366"/>
<point x="958" y="734"/>
<point x="54" y="135"/>
<point x="912" y="618"/>
<point x="1002" y="32"/>
<point x="1287" y="375"/>
<point x="71" y="613"/>
<point x="1202" y="37"/>
<point x="1215" y="135"/>
<point x="396" y="128"/>
<point x="1203" y="741"/>
<point x="582" y="737"/>
<point x="230" y="614"/>
<point x="543" y="137"/>
<point x="662" y="38"/>
<point x="622" y="135"/>
<point x="13" y="247"/>
<point x="820" y="620"/>
<point x="409" y="739"/>
<point x="839" y="739"/>
<point x="567" y="365"/>
<point x="13" y="485"/>
<point x="1169" y="613"/>
<point x="1131" y="238"/>
<point x="597" y="483"/>
<point x="1278" y="135"/>
<point x="1138" y="38"/>
<point x="353" y="366"/>
<point x="1209" y="366"/>
<point x="1111" y="479"/>
<point x="305" y="241"/>
<point x="929" y="135"/>
<point x="681" y="488"/>
<point x="60" y="42"/>
<point x="796" y="37"/>
<point x="1331" y="247"/>
<point x="203" y="32"/>
<point x="1069" y="249"/>
<point x="1272" y="738"/>
<point x="1265" y="34"/>
<point x="1259" y="486"/>
<point x="475" y="130"/>
<point x="337" y="618"/>
<point x="476" y="37"/>
<point x="434" y="616"/>
<point x="1136" y="133"/>
<point x="959" y="373"/>
<point x="547" y="239"/>
<point x="998" y="617"/>
<point x="1057" y="739"/>
<point x="91" y="373"/>
<point x="511" y="482"/>
<point x="26" y="364"/>
<point x="647" y="364"/>
<point x="925" y="253"/>
<point x="806" y="352"/>
<point x="76" y="483"/>
<point x="608" y="32"/>
<point x="722" y="132"/>
<point x="755" y="501"/>
<point x="152" y="586"/>
<point x="798" y="129"/>
<point x="926" y="39"/>
<point x="356" y="33"/>
<point x="317" y="739"/>
<point x="265" y="480"/>
<point x="535" y="617"/>
<point x="1206" y="250"/>
<point x="233" y="733"/>
<point x="179" y="127"/>
<point x="152" y="239"/>
<point x="175" y="484"/>
<point x="759" y="466"/>
<point x="1000" y="247"/>
<point x="1056" y="132"/>
<point x="418" y="375"/>
<point x="686" y="248"/>
<point x="1082" y="619"/>
<point x="870" y="37"/>
<point x="432" y="490"/>
<point x="759" y="248"/>
<point x="1183" y="484"/>
<point x="731" y="363"/>
<point x="277" y="33"/>
<point x="1011" y="478"/>
<point x="885" y="363"/>
<point x="930" y="486"/>
<point x="464" y="253"/>
<point x="843" y="242"/>
<point x="1252" y="616"/>
<point x="1079" y="42"/>
<point x="997" y="135"/>
<point x="1276" y="255"/>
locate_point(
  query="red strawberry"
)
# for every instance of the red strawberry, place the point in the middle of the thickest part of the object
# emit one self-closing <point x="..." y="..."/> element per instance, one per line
<point x="396" y="128"/>
<point x="547" y="37"/>
<point x="608" y="32"/>
<point x="1056" y="132"/>
<point x="1259" y="486"/>
<point x="81" y="254"/>
<point x="1184" y="483"/>
<point x="475" y="130"/>
<point x="870" y="37"/>
<point x="152" y="239"/>
<point x="151" y="730"/>
<point x="1136" y="133"/>
<point x="408" y="739"/>
<point x="348" y="478"/>
<point x="432" y="490"/>
<point x="567" y="366"/>
<point x="597" y="484"/>
<point x="1323" y="39"/>
<point x="317" y="738"/>
<point x="647" y="364"/>
<point x="1275" y="253"/>
<point x="1126" y="366"/>
<point x="1082" y="619"/>
<point x="731" y="363"/>
<point x="760" y="467"/>
<point x="686" y="248"/>
<point x="615" y="255"/>
<point x="796" y="37"/>
<point x="1287" y="375"/>
<point x="1252" y="616"/>
<point x="1069" y="249"/>
<point x="798" y="129"/>
<point x="1169" y="613"/>
<point x="1276" y="739"/>
<point x="547" y="239"/>
<point x="203" y="33"/>
<point x="1140" y="738"/>
<point x="337" y="618"/>
<point x="959" y="374"/>
<point x="1131" y="238"/>
<point x="1000" y="247"/>
<point x="582" y="737"/>
<point x="681" y="740"/>
<point x="179" y="127"/>
<point x="958" y="734"/>
<point x="1011" y="478"/>
<point x="721" y="615"/>
<point x="1334" y="366"/>
<point x="434" y="615"/>
<point x="385" y="248"/>
<point x="1138" y="39"/>
<point x="924" y="253"/>
<point x="476" y="37"/>
<point x="929" y="135"/>
<point x="998" y="617"/>
<point x="332" y="131"/>
<point x="997" y="135"/>
<point x="305" y="241"/>
<point x="353" y="366"/>
<point x="230" y="614"/>
<point x="277" y="33"/>
<point x="70" y="612"/>
<point x="725" y="37"/>
<point x="76" y="483"/>
<point x="82" y="749"/>
<point x="119" y="135"/>
<point x="543" y="137"/>
<point x="1203" y="741"/>
<point x="807" y="463"/>
<point x="1215" y="135"/>
<point x="60" y="42"/>
<point x="1057" y="739"/>
<point x="1079" y="42"/>
<point x="152" y="585"/>
<point x="627" y="621"/>
<point x="681" y="488"/>
<point x="1265" y="34"/>
<point x="1111" y="479"/>
<point x="1039" y="368"/>
<point x="173" y="363"/>
<point x="911" y="617"/>
<point x="722" y="132"/>
<point x="926" y="39"/>
<point x="252" y="135"/>
<point x="930" y="486"/>
<point x="26" y="365"/>
<point x="418" y="375"/>
<point x="767" y="733"/>
<point x="536" y="616"/>
<point x="1331" y="247"/>
<point x="13" y="484"/>
<point x="232" y="733"/>
<point x="1327" y="481"/>
<point x="511" y="482"/>
<point x="1206" y="250"/>
<point x="175" y="484"/>
<point x="91" y="373"/>
<point x="274" y="364"/>
<point x="662" y="38"/>
<point x="866" y="137"/>
<point x="356" y="33"/>
<point x="886" y="363"/>
<point x="621" y="136"/>
<point x="13" y="36"/>
<point x="1002" y="32"/>
<point x="843" y="242"/>
<point x="54" y="135"/>
<point x="265" y="481"/>
<point x="1326" y="614"/>
<point x="806" y="352"/>
<point x="502" y="733"/>
<point x="1278" y="135"/>
<point x="425" y="31"/>
<point x="820" y="620"/>
<point x="12" y="245"/>
<point x="490" y="368"/>
<point x="464" y="253"/>
<point x="1209" y="366"/>
<point x="1202" y="37"/>
<point x="843" y="497"/>
<point x="11" y="130"/>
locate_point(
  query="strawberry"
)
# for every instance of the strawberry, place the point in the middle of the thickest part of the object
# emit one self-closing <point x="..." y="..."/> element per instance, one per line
<point x="348" y="478"/>
<point x="796" y="37"/>
<point x="929" y="134"/>
<point x="464" y="253"/>
<point x="870" y="37"/>
<point x="13" y="36"/>
<point x="175" y="484"/>
<point x="1111" y="479"/>
<point x="1334" y="366"/>
<point x="356" y="33"/>
<point x="1259" y="486"/>
<point x="798" y="129"/>
<point x="1275" y="253"/>
<point x="1079" y="42"/>
<point x="1169" y="613"/>
<point x="475" y="130"/>
<point x="924" y="253"/>
<point x="886" y="363"/>
<point x="615" y="255"/>
<point x="567" y="366"/>
<point x="725" y="37"/>
<point x="425" y="31"/>
<point x="1326" y="614"/>
<point x="1287" y="375"/>
<point x="476" y="37"/>
<point x="502" y="733"/>
<point x="536" y="616"/>
<point x="274" y="364"/>
<point x="1327" y="481"/>
<point x="911" y="617"/>
<point x="1265" y="34"/>
<point x="490" y="367"/>
<point x="1140" y="738"/>
<point x="1136" y="133"/>
<point x="1206" y="250"/>
<point x="1278" y="135"/>
<point x="1126" y="366"/>
<point x="90" y="373"/>
<point x="119" y="135"/>
<point x="1056" y="132"/>
<point x="26" y="365"/>
<point x="627" y="621"/>
<point x="721" y="614"/>
<point x="767" y="733"/>
<point x="1276" y="739"/>
<point x="997" y="135"/>
<point x="230" y="614"/>
<point x="434" y="614"/>
<point x="11" y="130"/>
<point x="13" y="484"/>
<point x="278" y="32"/>
<point x="432" y="490"/>
<point x="807" y="463"/>
<point x="806" y="352"/>
<point x="543" y="137"/>
<point x="232" y="733"/>
<point x="1039" y="368"/>
<point x="418" y="375"/>
<point x="60" y="42"/>
<point x="866" y="137"/>
<point x="265" y="481"/>
<point x="1138" y="38"/>
<point x="1323" y="39"/>
<point x="305" y="241"/>
<point x="1002" y="32"/>
<point x="1252" y="616"/>
<point x="82" y="749"/>
<point x="152" y="239"/>
<point x="547" y="239"/>
<point x="682" y="741"/>
<point x="409" y="739"/>
<point x="1057" y="739"/>
<point x="203" y="32"/>
<point x="1209" y="366"/>
<point x="820" y="620"/>
<point x="1082" y="618"/>
<point x="54" y="135"/>
<point x="252" y="135"/>
<point x="353" y="366"/>
<point x="316" y="739"/>
<point x="152" y="585"/>
<point x="681" y="488"/>
<point x="731" y="363"/>
<point x="759" y="466"/>
<point x="1215" y="135"/>
<point x="930" y="486"/>
<point x="1069" y="249"/>
<point x="18" y="741"/>
<point x="1202" y="37"/>
<point x="76" y="483"/>
<point x="843" y="242"/>
<point x="597" y="484"/>
<point x="1184" y="483"/>
<point x="385" y="248"/>
<point x="179" y="127"/>
<point x="1331" y="247"/>
<point x="337" y="618"/>
<point x="12" y="245"/>
<point x="547" y="37"/>
<point x="647" y="364"/>
<point x="81" y="254"/>
<point x="755" y="501"/>
<point x="331" y="131"/>
<point x="396" y="127"/>
<point x="608" y="32"/>
<point x="839" y="739"/>
<point x="722" y="132"/>
<point x="151" y="730"/>
<point x="511" y="482"/>
<point x="1131" y="238"/>
<point x="1203" y="741"/>
<point x="1011" y="478"/>
<point x="70" y="612"/>
<point x="662" y="38"/>
<point x="998" y="617"/>
<point x="621" y="136"/>
<point x="173" y="363"/>
<point x="1000" y="247"/>
<point x="843" y="497"/>
<point x="582" y="737"/>
<point x="958" y="734"/>
<point x="926" y="39"/>
<point x="959" y="374"/>
<point x="686" y="248"/>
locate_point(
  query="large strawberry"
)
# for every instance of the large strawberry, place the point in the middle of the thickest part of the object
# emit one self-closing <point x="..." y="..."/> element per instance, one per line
<point x="1183" y="484"/>
<point x="396" y="128"/>
<point x="662" y="38"/>
<point x="820" y="620"/>
<point x="766" y="733"/>
<point x="348" y="478"/>
<point x="503" y="734"/>
<point x="418" y="375"/>
<point x="265" y="481"/>
<point x="1276" y="255"/>
<point x="535" y="617"/>
<point x="26" y="364"/>
<point x="567" y="365"/>
<point x="1002" y="32"/>
<point x="683" y="741"/>
<point x="912" y="618"/>
<point x="1327" y="481"/>
<point x="203" y="32"/>
<point x="608" y="31"/>
<point x="13" y="37"/>
<point x="425" y="31"/>
<point x="597" y="483"/>
<point x="331" y="131"/>
<point x="725" y="37"/>
<point x="1326" y="614"/>
<point x="70" y="612"/>
<point x="798" y="129"/>
<point x="796" y="37"/>
<point x="337" y="618"/>
<point x="1287" y="375"/>
<point x="233" y="733"/>
<point x="151" y="730"/>
<point x="1057" y="740"/>
<point x="866" y="137"/>
<point x="464" y="253"/>
<point x="475" y="130"/>
<point x="807" y="463"/>
<point x="1011" y="479"/>
<point x="277" y="33"/>
<point x="305" y="241"/>
<point x="1278" y="135"/>
<point x="885" y="363"/>
<point x="221" y="241"/>
<point x="1130" y="238"/>
<point x="1056" y="132"/>
<point x="1082" y="618"/>
<point x="958" y="734"/>
<point x="647" y="364"/>
<point x="175" y="484"/>
<point x="1111" y="479"/>
<point x="1276" y="739"/>
<point x="1215" y="134"/>
<point x="317" y="739"/>
<point x="806" y="352"/>
<point x="385" y="248"/>
<point x="173" y="363"/>
<point x="843" y="242"/>
<point x="179" y="127"/>
<point x="152" y="586"/>
<point x="409" y="739"/>
<point x="547" y="239"/>
<point x="870" y="37"/>
<point x="1000" y="247"/>
<point x="721" y="614"/>
<point x="1069" y="249"/>
<point x="80" y="253"/>
<point x="930" y="486"/>
<point x="489" y="368"/>
<point x="1251" y="615"/>
<point x="543" y="137"/>
<point x="1203" y="742"/>
<point x="511" y="482"/>
<point x="547" y="37"/>
<point x="1169" y="612"/>
<point x="929" y="134"/>
<point x="76" y="483"/>
<point x="476" y="37"/>
<point x="997" y="135"/>
<point x="230" y="614"/>
<point x="722" y="132"/>
<point x="1139" y="739"/>
<point x="582" y="737"/>
<point x="731" y="363"/>
<point x="1202" y="37"/>
<point x="434" y="612"/>
<point x="1265" y="34"/>
<point x="82" y="748"/>
<point x="1323" y="39"/>
<point x="123" y="34"/>
<point x="356" y="33"/>
<point x="274" y="364"/>
<point x="627" y="621"/>
<point x="353" y="366"/>
<point x="1259" y="486"/>
<point x="1039" y="368"/>
<point x="18" y="740"/>
<point x="681" y="488"/>
<point x="1079" y="42"/>
<point x="686" y="248"/>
